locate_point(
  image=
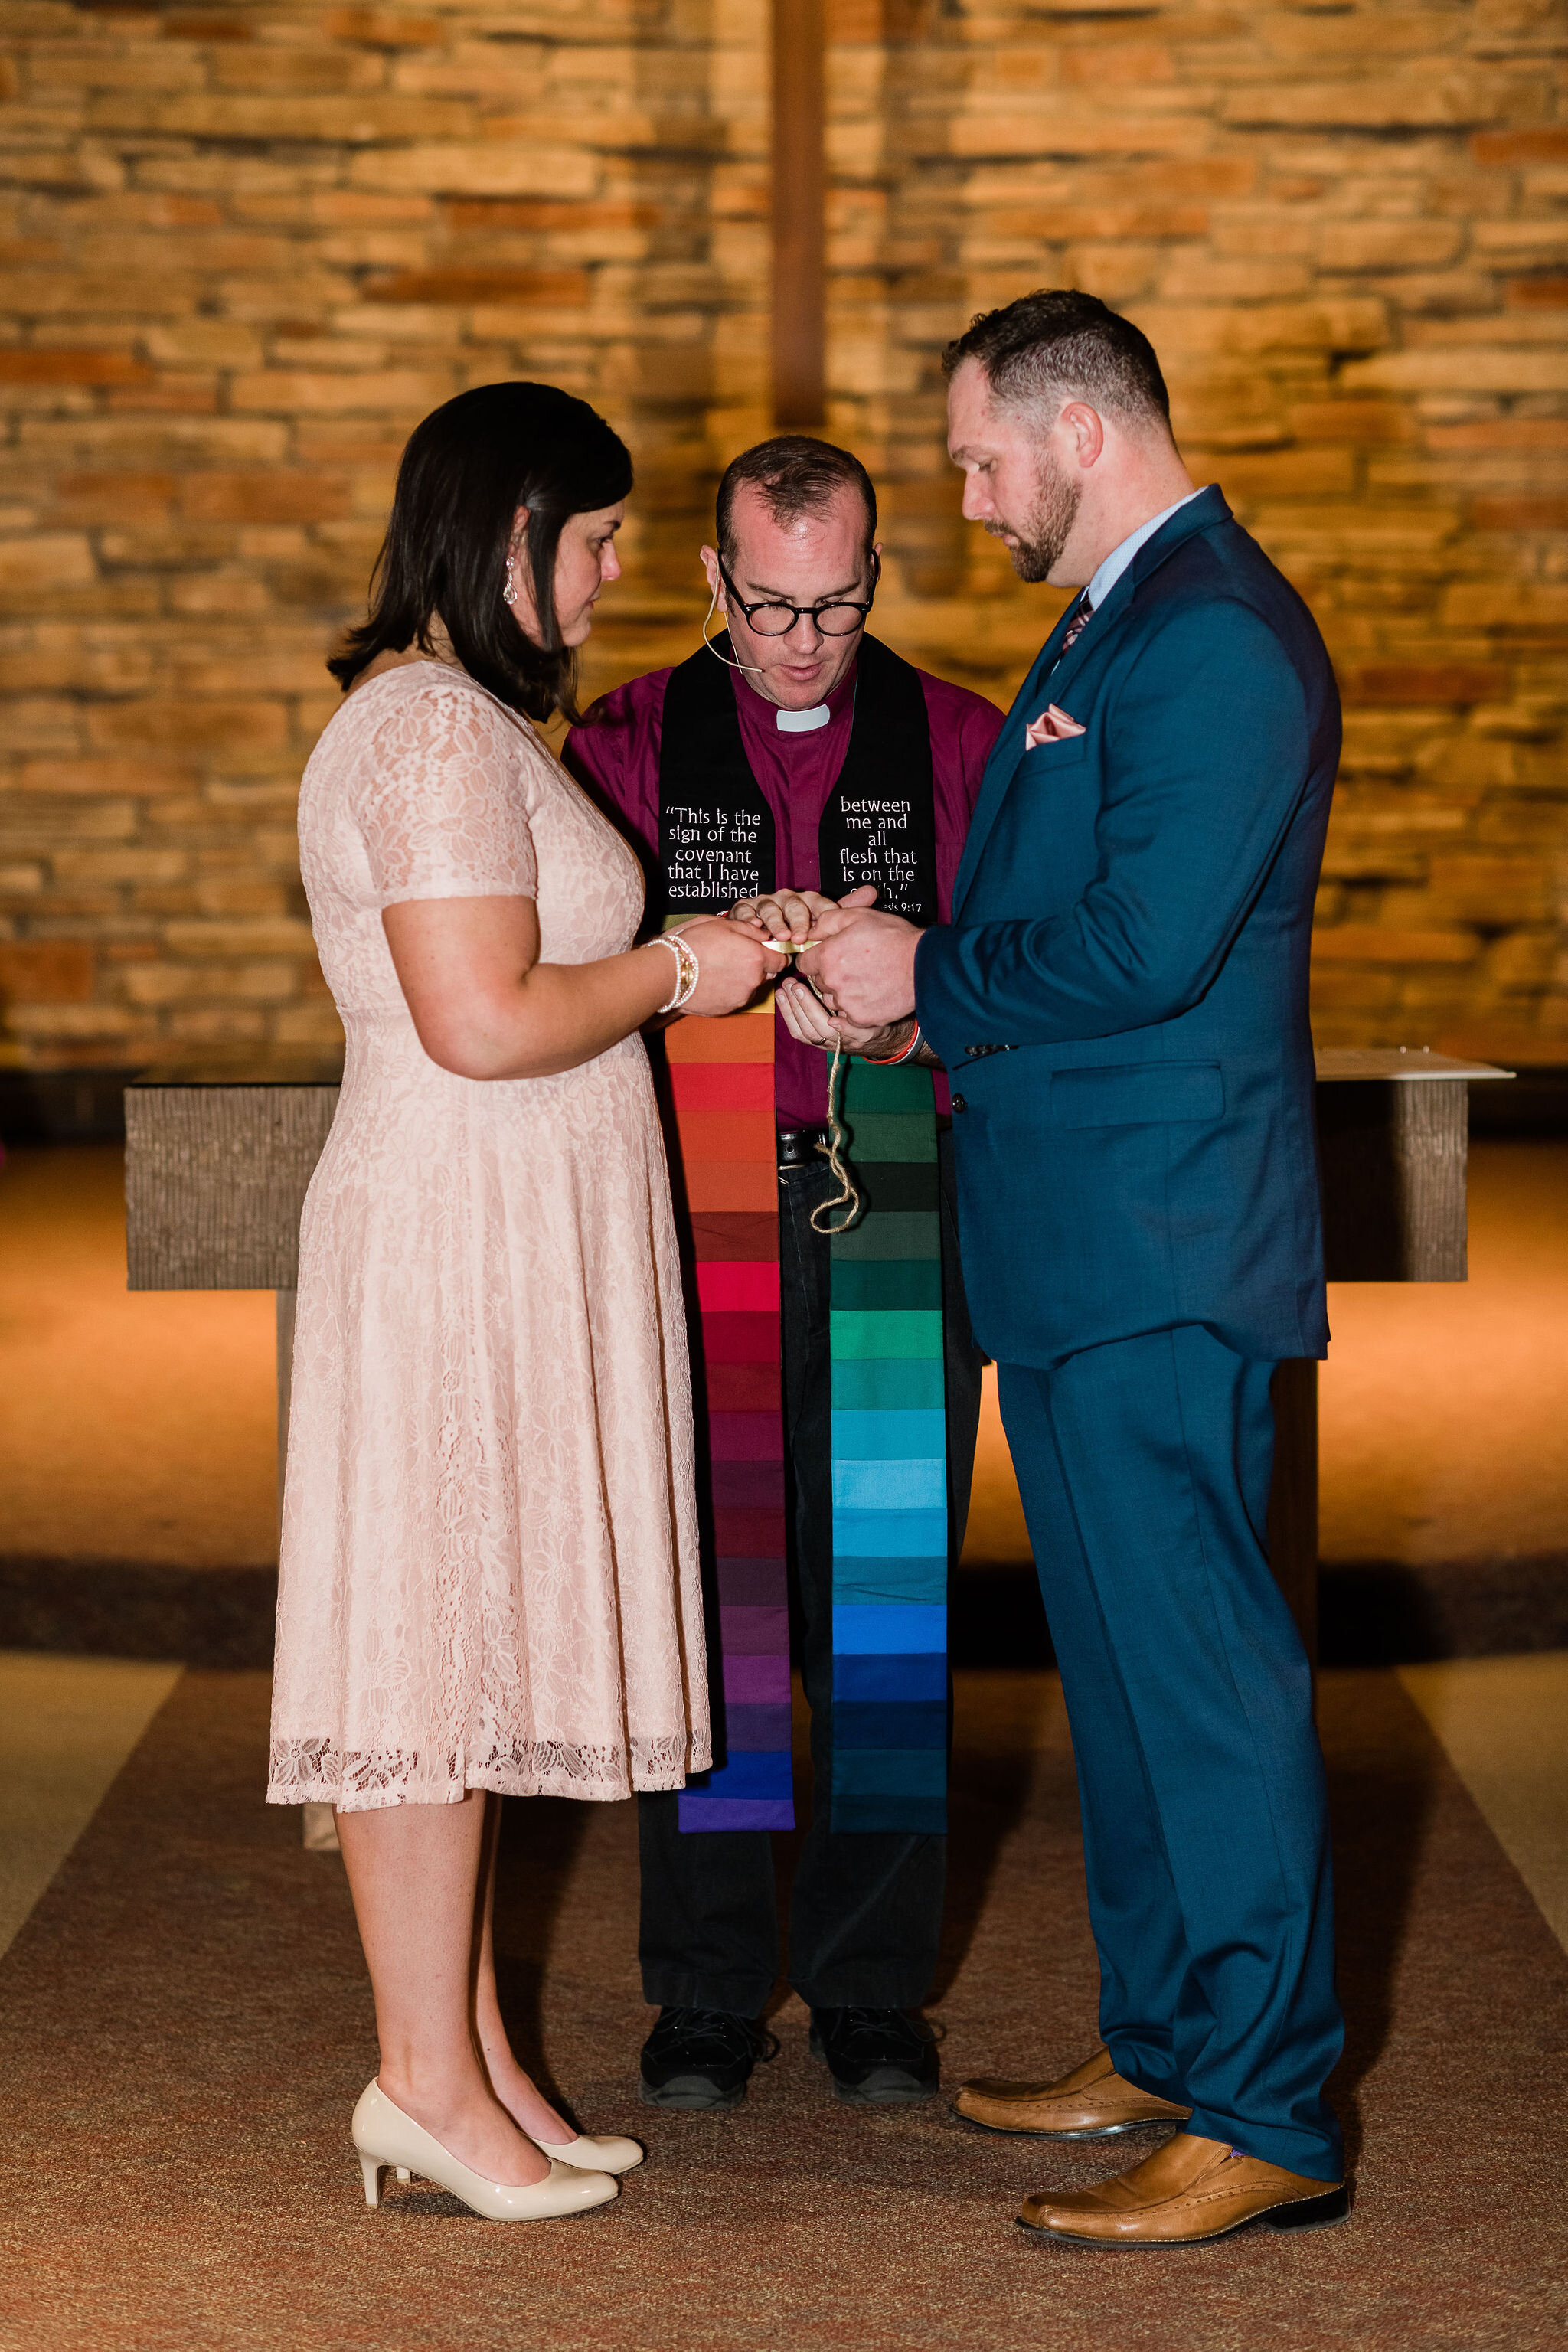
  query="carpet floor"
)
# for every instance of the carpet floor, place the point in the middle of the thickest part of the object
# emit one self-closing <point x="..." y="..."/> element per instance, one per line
<point x="185" y="2025"/>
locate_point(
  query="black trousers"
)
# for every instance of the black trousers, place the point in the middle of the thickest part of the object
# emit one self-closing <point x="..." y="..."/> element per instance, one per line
<point x="866" y="1908"/>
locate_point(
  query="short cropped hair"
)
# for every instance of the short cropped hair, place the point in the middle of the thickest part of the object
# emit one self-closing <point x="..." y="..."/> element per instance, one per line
<point x="795" y="475"/>
<point x="1057" y="345"/>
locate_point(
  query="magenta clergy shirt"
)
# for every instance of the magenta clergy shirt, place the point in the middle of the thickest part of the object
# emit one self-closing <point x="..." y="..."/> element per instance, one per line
<point x="618" y="756"/>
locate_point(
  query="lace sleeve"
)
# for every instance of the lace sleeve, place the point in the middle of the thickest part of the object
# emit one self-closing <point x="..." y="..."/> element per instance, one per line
<point x="442" y="804"/>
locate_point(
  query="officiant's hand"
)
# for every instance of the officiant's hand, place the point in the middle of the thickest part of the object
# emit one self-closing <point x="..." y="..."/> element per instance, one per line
<point x="791" y="914"/>
<point x="862" y="963"/>
<point x="806" y="1017"/>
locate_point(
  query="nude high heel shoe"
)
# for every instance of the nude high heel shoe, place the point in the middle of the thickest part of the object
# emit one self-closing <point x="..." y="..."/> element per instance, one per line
<point x="611" y="2155"/>
<point x="386" y="2139"/>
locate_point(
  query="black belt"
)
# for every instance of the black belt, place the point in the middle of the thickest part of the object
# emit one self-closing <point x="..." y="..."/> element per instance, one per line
<point x="807" y="1147"/>
<point x="803" y="1147"/>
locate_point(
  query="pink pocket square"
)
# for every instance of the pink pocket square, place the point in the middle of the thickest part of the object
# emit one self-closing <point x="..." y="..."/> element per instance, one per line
<point x="1052" y="725"/>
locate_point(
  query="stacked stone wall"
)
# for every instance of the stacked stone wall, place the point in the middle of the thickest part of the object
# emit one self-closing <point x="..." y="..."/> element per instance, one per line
<point x="246" y="247"/>
<point x="1345" y="229"/>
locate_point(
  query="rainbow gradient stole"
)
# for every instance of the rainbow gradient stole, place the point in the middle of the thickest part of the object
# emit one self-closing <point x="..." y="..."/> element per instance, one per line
<point x="889" y="1467"/>
<point x="721" y="1078"/>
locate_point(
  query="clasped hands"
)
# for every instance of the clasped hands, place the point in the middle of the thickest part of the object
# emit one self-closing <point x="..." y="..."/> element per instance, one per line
<point x="854" y="981"/>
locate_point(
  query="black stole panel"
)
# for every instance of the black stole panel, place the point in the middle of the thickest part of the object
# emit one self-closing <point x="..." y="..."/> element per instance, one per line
<point x="880" y="824"/>
<point x="715" y="827"/>
<point x="716" y="835"/>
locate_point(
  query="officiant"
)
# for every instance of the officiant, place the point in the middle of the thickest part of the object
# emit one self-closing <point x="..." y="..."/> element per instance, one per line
<point x="792" y="752"/>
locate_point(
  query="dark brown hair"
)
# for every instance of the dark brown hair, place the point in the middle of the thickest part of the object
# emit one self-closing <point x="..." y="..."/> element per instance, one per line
<point x="468" y="471"/>
<point x="795" y="475"/>
<point x="1058" y="344"/>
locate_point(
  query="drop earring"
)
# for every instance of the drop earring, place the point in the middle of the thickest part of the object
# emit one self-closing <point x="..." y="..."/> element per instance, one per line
<point x="509" y="593"/>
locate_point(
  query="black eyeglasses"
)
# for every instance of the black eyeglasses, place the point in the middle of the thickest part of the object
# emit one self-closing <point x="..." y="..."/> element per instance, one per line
<point x="838" y="619"/>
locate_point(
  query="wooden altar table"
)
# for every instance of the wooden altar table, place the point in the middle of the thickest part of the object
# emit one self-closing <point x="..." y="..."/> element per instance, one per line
<point x="219" y="1152"/>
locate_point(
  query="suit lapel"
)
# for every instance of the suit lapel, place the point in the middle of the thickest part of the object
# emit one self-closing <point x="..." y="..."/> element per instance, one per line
<point x="1054" y="672"/>
<point x="1044" y="684"/>
<point x="1005" y="754"/>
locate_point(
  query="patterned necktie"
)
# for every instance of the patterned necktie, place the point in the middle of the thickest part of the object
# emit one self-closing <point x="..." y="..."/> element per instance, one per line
<point x="1075" y="628"/>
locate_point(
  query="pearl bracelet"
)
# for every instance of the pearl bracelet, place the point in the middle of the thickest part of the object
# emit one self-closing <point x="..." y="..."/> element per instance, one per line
<point x="687" y="968"/>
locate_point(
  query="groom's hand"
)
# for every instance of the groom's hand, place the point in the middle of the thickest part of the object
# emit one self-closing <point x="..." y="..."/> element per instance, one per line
<point x="862" y="963"/>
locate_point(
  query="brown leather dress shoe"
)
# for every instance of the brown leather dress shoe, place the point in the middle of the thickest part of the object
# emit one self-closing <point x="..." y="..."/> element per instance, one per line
<point x="1188" y="2191"/>
<point x="1091" y="2103"/>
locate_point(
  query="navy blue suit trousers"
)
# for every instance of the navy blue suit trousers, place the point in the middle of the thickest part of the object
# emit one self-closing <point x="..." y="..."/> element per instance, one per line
<point x="1145" y="1468"/>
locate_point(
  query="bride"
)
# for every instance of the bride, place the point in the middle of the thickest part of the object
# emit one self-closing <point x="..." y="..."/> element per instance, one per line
<point x="488" y="1583"/>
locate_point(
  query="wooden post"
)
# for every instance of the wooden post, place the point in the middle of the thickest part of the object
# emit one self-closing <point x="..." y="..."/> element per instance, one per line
<point x="1293" y="1499"/>
<point x="1393" y="1128"/>
<point x="1394" y="1157"/>
<point x="800" y="334"/>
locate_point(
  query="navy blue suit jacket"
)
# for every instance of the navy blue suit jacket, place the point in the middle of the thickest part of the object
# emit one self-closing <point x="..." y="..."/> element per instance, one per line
<point x="1134" y="918"/>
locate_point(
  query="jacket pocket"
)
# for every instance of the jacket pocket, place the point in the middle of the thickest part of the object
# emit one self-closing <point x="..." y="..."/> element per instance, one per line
<point x="1043" y="759"/>
<point x="1139" y="1094"/>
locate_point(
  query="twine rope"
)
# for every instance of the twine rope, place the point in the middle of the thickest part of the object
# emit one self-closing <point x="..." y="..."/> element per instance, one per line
<point x="848" y="1198"/>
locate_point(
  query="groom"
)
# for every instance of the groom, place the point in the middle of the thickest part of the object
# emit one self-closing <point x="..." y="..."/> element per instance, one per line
<point x="1121" y="998"/>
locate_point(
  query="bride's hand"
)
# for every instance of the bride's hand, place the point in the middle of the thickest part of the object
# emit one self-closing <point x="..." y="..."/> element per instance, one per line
<point x="733" y="961"/>
<point x="807" y="1018"/>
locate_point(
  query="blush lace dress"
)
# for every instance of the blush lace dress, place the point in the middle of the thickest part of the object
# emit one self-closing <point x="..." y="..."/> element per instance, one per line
<point x="490" y="1565"/>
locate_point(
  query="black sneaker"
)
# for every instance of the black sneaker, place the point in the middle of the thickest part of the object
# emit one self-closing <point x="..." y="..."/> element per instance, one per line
<point x="877" y="2057"/>
<point x="701" y="2059"/>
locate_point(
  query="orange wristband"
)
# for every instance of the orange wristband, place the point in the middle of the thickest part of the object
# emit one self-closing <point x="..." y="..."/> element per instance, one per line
<point x="890" y="1061"/>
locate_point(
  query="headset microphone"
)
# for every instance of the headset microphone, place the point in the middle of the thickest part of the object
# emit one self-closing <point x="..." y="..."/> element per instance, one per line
<point x="755" y="668"/>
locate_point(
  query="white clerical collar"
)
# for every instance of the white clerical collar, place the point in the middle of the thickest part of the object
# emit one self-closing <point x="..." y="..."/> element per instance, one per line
<point x="1117" y="561"/>
<point x="802" y="722"/>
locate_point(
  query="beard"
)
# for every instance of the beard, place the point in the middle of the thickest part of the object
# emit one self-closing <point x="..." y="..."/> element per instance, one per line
<point x="1041" y="540"/>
